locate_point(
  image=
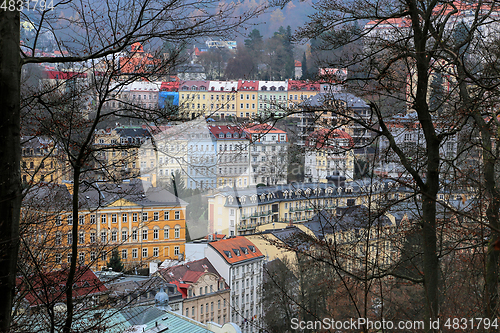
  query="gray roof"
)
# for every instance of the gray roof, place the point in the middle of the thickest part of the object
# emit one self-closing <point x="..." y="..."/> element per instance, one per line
<point x="100" y="194"/>
<point x="318" y="100"/>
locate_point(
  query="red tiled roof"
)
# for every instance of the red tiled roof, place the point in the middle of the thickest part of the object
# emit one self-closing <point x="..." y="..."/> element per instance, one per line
<point x="236" y="249"/>
<point x="169" y="86"/>
<point x="302" y="85"/>
<point x="186" y="274"/>
<point x="61" y="75"/>
<point x="321" y="136"/>
<point x="51" y="287"/>
<point x="247" y="85"/>
<point x="216" y="130"/>
<point x="138" y="63"/>
<point x="298" y="63"/>
<point x="192" y="276"/>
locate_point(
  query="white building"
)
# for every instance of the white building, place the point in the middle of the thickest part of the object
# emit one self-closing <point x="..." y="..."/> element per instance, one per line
<point x="240" y="263"/>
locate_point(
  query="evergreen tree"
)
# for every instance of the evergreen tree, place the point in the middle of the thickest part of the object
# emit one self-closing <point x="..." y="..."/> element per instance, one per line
<point x="437" y="94"/>
<point x="305" y="75"/>
<point x="115" y="262"/>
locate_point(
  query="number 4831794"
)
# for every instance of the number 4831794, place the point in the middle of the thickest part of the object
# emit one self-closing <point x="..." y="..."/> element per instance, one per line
<point x="20" y="5"/>
<point x="471" y="323"/>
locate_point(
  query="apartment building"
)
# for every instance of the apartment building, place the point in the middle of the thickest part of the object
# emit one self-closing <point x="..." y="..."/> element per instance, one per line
<point x="41" y="160"/>
<point x="299" y="91"/>
<point x="328" y="153"/>
<point x="124" y="153"/>
<point x="143" y="225"/>
<point x="232" y="145"/>
<point x="193" y="98"/>
<point x="268" y="154"/>
<point x="273" y="98"/>
<point x="205" y="293"/>
<point x="242" y="211"/>
<point x="223" y="99"/>
<point x="240" y="263"/>
<point x="189" y="149"/>
<point x="247" y="98"/>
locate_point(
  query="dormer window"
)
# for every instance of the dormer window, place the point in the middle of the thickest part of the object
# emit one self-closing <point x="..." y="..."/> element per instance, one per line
<point x="221" y="135"/>
<point x="264" y="88"/>
<point x="228" y="135"/>
<point x="235" y="135"/>
<point x="252" y="248"/>
<point x="221" y="88"/>
<point x="244" y="250"/>
<point x="228" y="254"/>
<point x="213" y="88"/>
<point x="237" y="252"/>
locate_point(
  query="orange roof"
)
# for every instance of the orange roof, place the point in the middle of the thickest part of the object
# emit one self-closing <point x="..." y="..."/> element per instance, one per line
<point x="298" y="63"/>
<point x="236" y="249"/>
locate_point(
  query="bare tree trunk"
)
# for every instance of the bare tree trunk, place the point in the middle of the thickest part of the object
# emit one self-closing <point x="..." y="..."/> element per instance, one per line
<point x="10" y="181"/>
<point x="74" y="251"/>
<point x="431" y="187"/>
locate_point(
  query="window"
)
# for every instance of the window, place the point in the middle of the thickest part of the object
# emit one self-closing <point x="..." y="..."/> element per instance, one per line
<point x="165" y="216"/>
<point x="134" y="217"/>
<point x="58" y="258"/>
<point x="177" y="232"/>
<point x="103" y="218"/>
<point x="92" y="256"/>
<point x="155" y="252"/>
<point x="201" y="308"/>
<point x="103" y="236"/>
<point x="58" y="238"/>
<point x="144" y="216"/>
<point x="156" y="234"/>
<point x="134" y="234"/>
<point x="70" y="219"/>
<point x="81" y="219"/>
<point x="177" y="215"/>
<point x="113" y="218"/>
<point x="134" y="253"/>
<point x="156" y="216"/>
<point x="81" y="258"/>
<point x="68" y="258"/>
<point x="144" y="234"/>
<point x="124" y="254"/>
<point x="176" y="250"/>
<point x="124" y="235"/>
<point x="114" y="236"/>
<point x="166" y="233"/>
<point x="144" y="252"/>
<point x="124" y="218"/>
<point x="81" y="237"/>
<point x="92" y="219"/>
<point x="58" y="220"/>
<point x="104" y="256"/>
<point x="92" y="236"/>
<point x="70" y="238"/>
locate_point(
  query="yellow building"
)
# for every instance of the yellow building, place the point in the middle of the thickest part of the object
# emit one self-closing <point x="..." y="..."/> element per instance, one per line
<point x="124" y="153"/>
<point x="299" y="91"/>
<point x="142" y="225"/>
<point x="223" y="99"/>
<point x="247" y="102"/>
<point x="193" y="98"/>
<point x="41" y="160"/>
